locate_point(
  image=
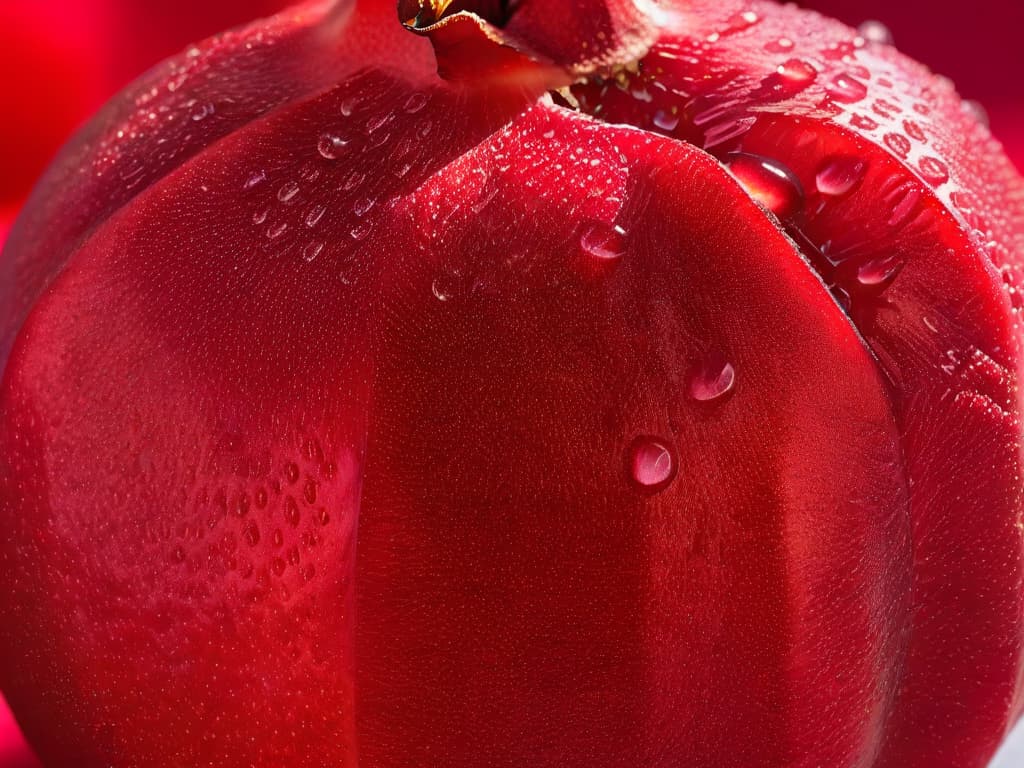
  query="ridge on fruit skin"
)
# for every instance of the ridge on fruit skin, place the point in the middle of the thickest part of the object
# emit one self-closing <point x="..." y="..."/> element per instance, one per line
<point x="487" y="383"/>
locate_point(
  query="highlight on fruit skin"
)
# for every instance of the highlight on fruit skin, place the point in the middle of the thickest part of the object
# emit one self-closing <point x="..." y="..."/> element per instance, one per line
<point x="494" y="383"/>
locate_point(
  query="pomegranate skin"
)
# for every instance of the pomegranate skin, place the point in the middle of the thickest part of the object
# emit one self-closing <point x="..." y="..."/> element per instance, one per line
<point x="570" y="384"/>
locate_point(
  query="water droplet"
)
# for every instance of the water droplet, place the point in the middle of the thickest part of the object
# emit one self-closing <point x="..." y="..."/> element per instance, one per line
<point x="863" y="122"/>
<point x="768" y="181"/>
<point x="879" y="272"/>
<point x="276" y="230"/>
<point x="934" y="171"/>
<point x="444" y="287"/>
<point x="331" y="146"/>
<point x="363" y="207"/>
<point x="797" y="72"/>
<point x="898" y="143"/>
<point x="415" y="103"/>
<point x="976" y="110"/>
<point x="914" y="131"/>
<point x="739" y="22"/>
<point x="287" y="192"/>
<point x="255" y="180"/>
<point x="353" y="180"/>
<point x="712" y="379"/>
<point x="251" y="533"/>
<point x="782" y="45"/>
<point x="846" y="89"/>
<point x="875" y="32"/>
<point x="839" y="174"/>
<point x="377" y="122"/>
<point x="202" y="111"/>
<point x="291" y="512"/>
<point x="315" y="214"/>
<point x="665" y="120"/>
<point x="651" y="464"/>
<point x="348" y="106"/>
<point x="361" y="231"/>
<point x="311" y="251"/>
<point x="604" y="242"/>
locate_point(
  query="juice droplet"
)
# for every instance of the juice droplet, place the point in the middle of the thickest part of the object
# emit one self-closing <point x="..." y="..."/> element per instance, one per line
<point x="712" y="379"/>
<point x="331" y="146"/>
<point x="603" y="242"/>
<point x="839" y="174"/>
<point x="846" y="89"/>
<point x="651" y="464"/>
<point x="767" y="181"/>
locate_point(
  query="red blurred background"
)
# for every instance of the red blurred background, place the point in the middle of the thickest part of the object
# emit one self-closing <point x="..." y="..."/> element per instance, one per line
<point x="60" y="60"/>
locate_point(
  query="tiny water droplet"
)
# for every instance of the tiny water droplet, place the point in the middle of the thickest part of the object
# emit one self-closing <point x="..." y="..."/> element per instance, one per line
<point x="652" y="466"/>
<point x="363" y="207"/>
<point x="311" y="251"/>
<point x="251" y="533"/>
<point x="839" y="174"/>
<point x="444" y="287"/>
<point x="782" y="45"/>
<point x="291" y="512"/>
<point x="415" y="103"/>
<point x="377" y="122"/>
<point x="276" y="230"/>
<point x="604" y="242"/>
<point x="934" y="171"/>
<point x="875" y="32"/>
<point x="768" y="181"/>
<point x="202" y="111"/>
<point x="739" y="22"/>
<point x="348" y="105"/>
<point x="914" y="131"/>
<point x="846" y="89"/>
<point x="361" y="231"/>
<point x="288" y="191"/>
<point x="255" y="180"/>
<point x="712" y="379"/>
<point x="898" y="143"/>
<point x="315" y="214"/>
<point x="330" y="146"/>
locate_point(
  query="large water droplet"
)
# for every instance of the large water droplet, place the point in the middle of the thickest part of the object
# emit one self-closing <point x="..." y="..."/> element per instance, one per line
<point x="712" y="379"/>
<point x="652" y="466"/>
<point x="602" y="241"/>
<point x="839" y="174"/>
<point x="331" y="146"/>
<point x="875" y="32"/>
<point x="846" y="89"/>
<point x="665" y="120"/>
<point x="797" y="72"/>
<point x="879" y="272"/>
<point x="768" y="181"/>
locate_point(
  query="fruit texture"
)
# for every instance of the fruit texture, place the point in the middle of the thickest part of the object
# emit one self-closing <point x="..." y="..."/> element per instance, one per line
<point x="597" y="383"/>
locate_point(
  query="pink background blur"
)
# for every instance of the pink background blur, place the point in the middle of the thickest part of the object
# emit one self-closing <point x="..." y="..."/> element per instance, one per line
<point x="61" y="59"/>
